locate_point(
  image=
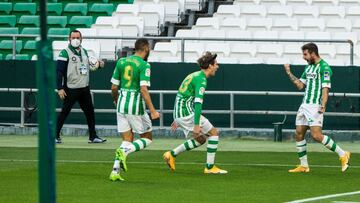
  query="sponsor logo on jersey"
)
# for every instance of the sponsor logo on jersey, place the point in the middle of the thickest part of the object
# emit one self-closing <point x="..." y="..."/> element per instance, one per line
<point x="326" y="75"/>
<point x="147" y="72"/>
<point x="311" y="75"/>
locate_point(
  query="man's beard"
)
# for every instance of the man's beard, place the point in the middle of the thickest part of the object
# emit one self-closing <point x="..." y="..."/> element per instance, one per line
<point x="147" y="56"/>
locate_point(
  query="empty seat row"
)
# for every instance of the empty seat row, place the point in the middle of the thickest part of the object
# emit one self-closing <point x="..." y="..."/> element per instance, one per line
<point x="280" y="24"/>
<point x="273" y="35"/>
<point x="183" y="5"/>
<point x="288" y="11"/>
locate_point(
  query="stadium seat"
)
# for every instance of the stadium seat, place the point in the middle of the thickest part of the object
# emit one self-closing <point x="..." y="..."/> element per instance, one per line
<point x="106" y="22"/>
<point x="57" y="21"/>
<point x="29" y="21"/>
<point x="285" y="24"/>
<point x="267" y="50"/>
<point x="253" y="11"/>
<point x="93" y="48"/>
<point x="226" y="60"/>
<point x="134" y="27"/>
<point x="29" y="47"/>
<point x="24" y="9"/>
<point x="329" y="12"/>
<point x="292" y="35"/>
<point x="312" y="24"/>
<point x="88" y="32"/>
<point x="348" y="3"/>
<point x="246" y="2"/>
<point x="185" y="34"/>
<point x="18" y="57"/>
<point x="338" y="25"/>
<point x="254" y="24"/>
<point x="80" y="21"/>
<point x="31" y="31"/>
<point x="54" y="8"/>
<point x="7" y="20"/>
<point x="173" y="10"/>
<point x="280" y="12"/>
<point x="298" y="61"/>
<point x="322" y="3"/>
<point x="221" y="49"/>
<point x="335" y="62"/>
<point x="239" y="34"/>
<point x="296" y="3"/>
<point x="154" y="18"/>
<point x="109" y="47"/>
<point x="242" y="50"/>
<point x="165" y="49"/>
<point x="272" y="2"/>
<point x="72" y="9"/>
<point x="12" y="30"/>
<point x="220" y="34"/>
<point x="356" y="26"/>
<point x="228" y="11"/>
<point x="306" y="12"/>
<point x="292" y="51"/>
<point x="318" y="36"/>
<point x="5" y="8"/>
<point x="266" y="35"/>
<point x="345" y="36"/>
<point x="193" y="50"/>
<point x="8" y="45"/>
<point x="143" y="2"/>
<point x="194" y="5"/>
<point x="59" y="31"/>
<point x="1" y="56"/>
<point x="124" y="10"/>
<point x="58" y="46"/>
<point x="353" y="12"/>
<point x="327" y="50"/>
<point x="170" y="59"/>
<point x="233" y="24"/>
<point x="101" y="9"/>
<point x="343" y="53"/>
<point x="207" y="24"/>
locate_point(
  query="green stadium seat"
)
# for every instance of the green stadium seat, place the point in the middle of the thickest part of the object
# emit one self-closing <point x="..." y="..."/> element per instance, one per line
<point x="76" y="9"/>
<point x="59" y="31"/>
<point x="57" y="21"/>
<point x="101" y="9"/>
<point x="54" y="8"/>
<point x="31" y="31"/>
<point x="5" y="8"/>
<point x="18" y="57"/>
<point x="29" y="47"/>
<point x="1" y="56"/>
<point x="81" y="21"/>
<point x="7" y="20"/>
<point x="29" y="21"/>
<point x="21" y="1"/>
<point x="8" y="45"/>
<point x="24" y="8"/>
<point x="11" y="30"/>
<point x="72" y="1"/>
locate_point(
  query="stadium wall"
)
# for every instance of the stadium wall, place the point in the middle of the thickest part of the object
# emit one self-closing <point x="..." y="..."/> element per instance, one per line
<point x="230" y="77"/>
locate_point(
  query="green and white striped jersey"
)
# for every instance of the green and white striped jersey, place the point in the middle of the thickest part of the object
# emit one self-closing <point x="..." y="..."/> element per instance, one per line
<point x="130" y="73"/>
<point x="191" y="91"/>
<point x="316" y="77"/>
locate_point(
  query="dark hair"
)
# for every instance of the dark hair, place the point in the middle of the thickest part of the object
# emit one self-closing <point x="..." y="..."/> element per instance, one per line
<point x="311" y="47"/>
<point x="140" y="44"/>
<point x="206" y="59"/>
<point x="75" y="31"/>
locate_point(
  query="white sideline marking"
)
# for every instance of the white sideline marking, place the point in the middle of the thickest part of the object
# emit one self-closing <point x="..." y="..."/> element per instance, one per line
<point x="325" y="197"/>
<point x="180" y="163"/>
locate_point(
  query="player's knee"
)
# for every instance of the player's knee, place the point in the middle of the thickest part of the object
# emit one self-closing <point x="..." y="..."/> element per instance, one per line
<point x="147" y="135"/>
<point x="213" y="132"/>
<point x="317" y="136"/>
<point x="201" y="139"/>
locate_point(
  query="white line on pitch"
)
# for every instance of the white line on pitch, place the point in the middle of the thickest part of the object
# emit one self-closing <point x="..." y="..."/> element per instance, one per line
<point x="325" y="197"/>
<point x="180" y="163"/>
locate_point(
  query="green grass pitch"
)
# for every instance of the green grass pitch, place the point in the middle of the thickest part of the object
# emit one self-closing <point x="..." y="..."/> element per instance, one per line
<point x="257" y="173"/>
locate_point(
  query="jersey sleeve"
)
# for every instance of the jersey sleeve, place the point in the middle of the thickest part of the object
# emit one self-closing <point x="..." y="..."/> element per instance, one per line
<point x="325" y="75"/>
<point x="115" y="79"/>
<point x="63" y="56"/>
<point x="200" y="87"/>
<point x="303" y="77"/>
<point x="145" y="73"/>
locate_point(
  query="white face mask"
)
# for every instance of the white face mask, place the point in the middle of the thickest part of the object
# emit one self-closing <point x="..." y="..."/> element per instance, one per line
<point x="75" y="43"/>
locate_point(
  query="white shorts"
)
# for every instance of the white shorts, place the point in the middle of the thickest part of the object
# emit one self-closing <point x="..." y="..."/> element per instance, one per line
<point x="308" y="115"/>
<point x="187" y="124"/>
<point x="138" y="124"/>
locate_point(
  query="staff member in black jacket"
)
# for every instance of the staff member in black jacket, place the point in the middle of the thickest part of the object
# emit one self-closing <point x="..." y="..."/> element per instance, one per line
<point x="73" y="68"/>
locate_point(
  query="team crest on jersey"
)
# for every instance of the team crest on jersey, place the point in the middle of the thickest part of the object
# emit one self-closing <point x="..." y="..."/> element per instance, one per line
<point x="201" y="90"/>
<point x="147" y="72"/>
<point x="326" y="75"/>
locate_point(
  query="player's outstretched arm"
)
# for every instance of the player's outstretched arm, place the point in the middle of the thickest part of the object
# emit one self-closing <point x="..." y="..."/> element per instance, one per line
<point x="324" y="99"/>
<point x="115" y="93"/>
<point x="145" y="94"/>
<point x="298" y="84"/>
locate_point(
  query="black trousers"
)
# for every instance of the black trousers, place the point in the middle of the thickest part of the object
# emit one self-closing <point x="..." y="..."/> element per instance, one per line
<point x="83" y="96"/>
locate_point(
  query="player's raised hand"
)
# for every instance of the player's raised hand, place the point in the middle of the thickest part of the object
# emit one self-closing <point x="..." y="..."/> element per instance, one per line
<point x="287" y="68"/>
<point x="155" y="115"/>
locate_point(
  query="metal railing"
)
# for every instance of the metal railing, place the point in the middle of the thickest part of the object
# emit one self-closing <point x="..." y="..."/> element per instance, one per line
<point x="231" y="110"/>
<point x="184" y="39"/>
